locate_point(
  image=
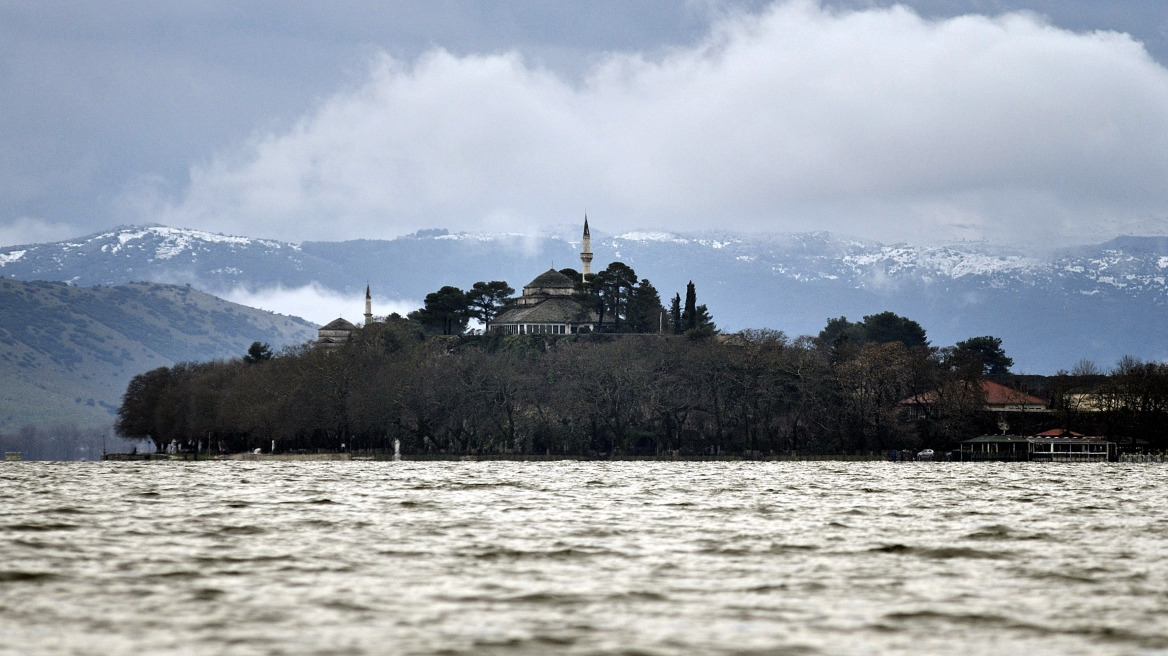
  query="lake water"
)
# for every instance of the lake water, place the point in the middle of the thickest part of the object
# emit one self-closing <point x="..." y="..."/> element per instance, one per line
<point x="583" y="558"/>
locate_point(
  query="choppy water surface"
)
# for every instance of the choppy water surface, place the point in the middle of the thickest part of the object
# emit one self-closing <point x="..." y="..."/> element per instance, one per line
<point x="583" y="558"/>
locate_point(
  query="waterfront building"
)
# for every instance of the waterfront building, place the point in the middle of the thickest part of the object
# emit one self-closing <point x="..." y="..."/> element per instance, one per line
<point x="1050" y="446"/>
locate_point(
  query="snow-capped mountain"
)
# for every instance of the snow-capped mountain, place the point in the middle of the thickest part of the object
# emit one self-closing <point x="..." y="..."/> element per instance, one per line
<point x="1097" y="302"/>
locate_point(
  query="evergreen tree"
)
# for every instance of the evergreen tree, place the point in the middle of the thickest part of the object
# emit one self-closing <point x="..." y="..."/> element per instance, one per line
<point x="689" y="316"/>
<point x="890" y="327"/>
<point x="610" y="291"/>
<point x="486" y="300"/>
<point x="703" y="323"/>
<point x="447" y="311"/>
<point x="258" y="352"/>
<point x="985" y="354"/>
<point x="695" y="319"/>
<point x="645" y="311"/>
<point x="675" y="315"/>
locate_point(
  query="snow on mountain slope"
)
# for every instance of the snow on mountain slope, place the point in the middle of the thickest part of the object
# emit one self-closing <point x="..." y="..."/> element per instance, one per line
<point x="179" y="255"/>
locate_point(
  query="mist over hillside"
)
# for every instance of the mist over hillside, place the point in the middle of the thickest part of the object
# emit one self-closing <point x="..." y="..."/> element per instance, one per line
<point x="67" y="352"/>
<point x="1096" y="302"/>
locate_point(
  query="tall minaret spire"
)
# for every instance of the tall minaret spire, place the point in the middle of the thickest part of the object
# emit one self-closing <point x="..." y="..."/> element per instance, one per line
<point x="586" y="251"/>
<point x="368" y="307"/>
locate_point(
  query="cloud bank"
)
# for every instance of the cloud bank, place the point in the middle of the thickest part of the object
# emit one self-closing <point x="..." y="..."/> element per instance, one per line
<point x="876" y="123"/>
<point x="317" y="304"/>
<point x="27" y="230"/>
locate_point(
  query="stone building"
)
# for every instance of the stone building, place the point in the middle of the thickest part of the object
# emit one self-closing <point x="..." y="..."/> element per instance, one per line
<point x="334" y="333"/>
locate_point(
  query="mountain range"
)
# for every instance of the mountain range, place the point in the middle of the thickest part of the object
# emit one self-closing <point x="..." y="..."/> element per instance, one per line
<point x="1096" y="302"/>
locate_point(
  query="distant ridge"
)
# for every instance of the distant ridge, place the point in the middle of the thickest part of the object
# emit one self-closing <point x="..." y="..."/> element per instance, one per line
<point x="1097" y="302"/>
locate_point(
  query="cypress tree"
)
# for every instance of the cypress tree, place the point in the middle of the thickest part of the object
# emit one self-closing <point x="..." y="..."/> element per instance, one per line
<point x="689" y="317"/>
<point x="675" y="315"/>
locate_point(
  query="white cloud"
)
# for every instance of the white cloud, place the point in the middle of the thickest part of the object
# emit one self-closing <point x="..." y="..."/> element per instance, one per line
<point x="317" y="304"/>
<point x="876" y="123"/>
<point x="27" y="230"/>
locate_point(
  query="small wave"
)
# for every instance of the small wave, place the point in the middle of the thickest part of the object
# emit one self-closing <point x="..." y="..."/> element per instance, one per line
<point x="638" y="595"/>
<point x="239" y="530"/>
<point x="969" y="619"/>
<point x="558" y="598"/>
<point x="1071" y="577"/>
<point x="787" y="548"/>
<point x="235" y="560"/>
<point x="316" y="523"/>
<point x="176" y="574"/>
<point x="939" y="553"/>
<point x="17" y="576"/>
<point x="552" y="554"/>
<point x="538" y="644"/>
<point x="766" y="589"/>
<point x="348" y="606"/>
<point x="33" y="528"/>
<point x="476" y="486"/>
<point x="1002" y="532"/>
<point x="1096" y="632"/>
<point x="66" y="510"/>
<point x="322" y="501"/>
<point x="207" y="594"/>
<point x="992" y="532"/>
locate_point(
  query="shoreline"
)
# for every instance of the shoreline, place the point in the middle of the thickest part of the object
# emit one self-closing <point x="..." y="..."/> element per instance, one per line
<point x="336" y="457"/>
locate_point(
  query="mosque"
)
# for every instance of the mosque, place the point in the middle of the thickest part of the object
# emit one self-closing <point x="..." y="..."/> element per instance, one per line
<point x="546" y="307"/>
<point x="338" y="331"/>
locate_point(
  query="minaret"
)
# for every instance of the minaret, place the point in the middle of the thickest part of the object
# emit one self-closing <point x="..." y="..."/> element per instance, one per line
<point x="586" y="252"/>
<point x="368" y="307"/>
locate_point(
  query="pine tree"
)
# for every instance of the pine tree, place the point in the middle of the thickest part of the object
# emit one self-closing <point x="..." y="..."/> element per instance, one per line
<point x="258" y="352"/>
<point x="486" y="301"/>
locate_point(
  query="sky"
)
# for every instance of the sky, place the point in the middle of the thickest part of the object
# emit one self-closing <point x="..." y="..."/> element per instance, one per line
<point x="1035" y="122"/>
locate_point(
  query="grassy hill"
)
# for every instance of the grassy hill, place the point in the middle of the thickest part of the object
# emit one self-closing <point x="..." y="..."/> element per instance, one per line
<point x="67" y="353"/>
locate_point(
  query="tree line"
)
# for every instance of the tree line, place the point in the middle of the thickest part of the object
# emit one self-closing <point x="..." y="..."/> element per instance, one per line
<point x="753" y="393"/>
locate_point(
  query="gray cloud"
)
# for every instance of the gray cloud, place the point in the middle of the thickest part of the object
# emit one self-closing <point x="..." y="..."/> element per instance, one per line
<point x="875" y="122"/>
<point x="106" y="107"/>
